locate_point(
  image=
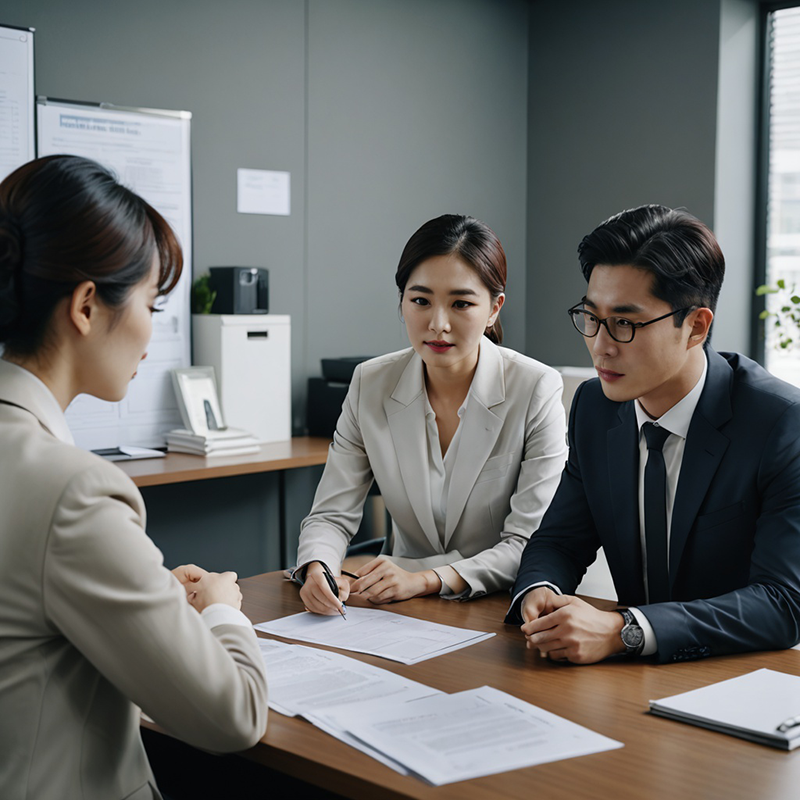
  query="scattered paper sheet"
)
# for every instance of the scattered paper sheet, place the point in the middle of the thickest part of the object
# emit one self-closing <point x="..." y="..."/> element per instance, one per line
<point x="305" y="682"/>
<point x="377" y="633"/>
<point x="327" y="720"/>
<point x="456" y="737"/>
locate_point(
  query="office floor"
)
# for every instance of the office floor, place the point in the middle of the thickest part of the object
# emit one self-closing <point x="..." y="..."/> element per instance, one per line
<point x="184" y="773"/>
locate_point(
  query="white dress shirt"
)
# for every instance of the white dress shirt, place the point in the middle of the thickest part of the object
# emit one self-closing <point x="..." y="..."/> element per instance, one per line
<point x="676" y="421"/>
<point x="441" y="471"/>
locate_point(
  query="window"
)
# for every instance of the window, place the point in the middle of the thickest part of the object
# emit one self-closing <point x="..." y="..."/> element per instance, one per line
<point x="783" y="188"/>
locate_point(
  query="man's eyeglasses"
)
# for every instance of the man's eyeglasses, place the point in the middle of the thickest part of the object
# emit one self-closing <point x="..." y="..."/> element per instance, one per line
<point x="619" y="329"/>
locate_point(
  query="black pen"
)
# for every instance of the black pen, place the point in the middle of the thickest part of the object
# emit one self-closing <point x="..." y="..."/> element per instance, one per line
<point x="334" y="587"/>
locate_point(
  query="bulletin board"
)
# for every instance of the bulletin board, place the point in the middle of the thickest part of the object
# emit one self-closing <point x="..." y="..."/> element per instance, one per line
<point x="149" y="152"/>
<point x="16" y="98"/>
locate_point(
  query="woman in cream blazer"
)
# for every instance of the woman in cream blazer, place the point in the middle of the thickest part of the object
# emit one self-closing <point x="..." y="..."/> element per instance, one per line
<point x="92" y="626"/>
<point x="464" y="497"/>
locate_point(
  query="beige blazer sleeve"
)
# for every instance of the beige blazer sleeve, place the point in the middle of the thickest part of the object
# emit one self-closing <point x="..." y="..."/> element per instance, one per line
<point x="107" y="592"/>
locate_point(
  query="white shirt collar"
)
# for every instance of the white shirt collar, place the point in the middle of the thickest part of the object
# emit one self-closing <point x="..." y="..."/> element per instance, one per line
<point x="679" y="417"/>
<point x="33" y="394"/>
<point x="429" y="409"/>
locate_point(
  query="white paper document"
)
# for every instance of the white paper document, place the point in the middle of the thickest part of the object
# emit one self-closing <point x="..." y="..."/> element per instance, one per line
<point x="306" y="682"/>
<point x="303" y="680"/>
<point x="751" y="706"/>
<point x="263" y="191"/>
<point x="456" y="737"/>
<point x="377" y="633"/>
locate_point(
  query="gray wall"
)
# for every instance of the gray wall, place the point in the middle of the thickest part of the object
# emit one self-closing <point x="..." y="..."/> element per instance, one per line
<point x="542" y="117"/>
<point x="240" y="70"/>
<point x="386" y="113"/>
<point x="623" y="109"/>
<point x="416" y="108"/>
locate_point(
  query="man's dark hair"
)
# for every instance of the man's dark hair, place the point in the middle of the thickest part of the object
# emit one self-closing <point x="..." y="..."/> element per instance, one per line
<point x="680" y="251"/>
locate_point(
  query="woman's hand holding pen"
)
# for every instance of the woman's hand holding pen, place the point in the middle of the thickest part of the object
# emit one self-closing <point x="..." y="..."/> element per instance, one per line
<point x="382" y="581"/>
<point x="316" y="594"/>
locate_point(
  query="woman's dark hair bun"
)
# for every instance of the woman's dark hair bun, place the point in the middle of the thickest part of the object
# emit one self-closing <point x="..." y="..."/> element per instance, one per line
<point x="66" y="219"/>
<point x="10" y="265"/>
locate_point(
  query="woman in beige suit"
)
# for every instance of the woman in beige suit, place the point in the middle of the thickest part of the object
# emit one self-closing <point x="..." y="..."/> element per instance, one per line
<point x="464" y="438"/>
<point x="91" y="623"/>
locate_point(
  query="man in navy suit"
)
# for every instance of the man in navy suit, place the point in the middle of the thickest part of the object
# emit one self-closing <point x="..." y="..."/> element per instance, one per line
<point x="684" y="465"/>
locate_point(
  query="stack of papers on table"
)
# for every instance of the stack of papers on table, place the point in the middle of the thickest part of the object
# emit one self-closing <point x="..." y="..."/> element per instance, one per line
<point x="752" y="706"/>
<point x="377" y="633"/>
<point x="413" y="728"/>
<point x="228" y="442"/>
<point x="306" y="682"/>
<point x="455" y="737"/>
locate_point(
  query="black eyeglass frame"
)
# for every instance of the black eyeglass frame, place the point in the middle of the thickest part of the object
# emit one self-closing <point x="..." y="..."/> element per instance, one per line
<point x="579" y="308"/>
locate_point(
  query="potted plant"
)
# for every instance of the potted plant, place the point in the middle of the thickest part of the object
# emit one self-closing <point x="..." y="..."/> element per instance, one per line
<point x="203" y="296"/>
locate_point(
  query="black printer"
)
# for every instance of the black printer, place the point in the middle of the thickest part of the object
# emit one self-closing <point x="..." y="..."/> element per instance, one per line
<point x="326" y="394"/>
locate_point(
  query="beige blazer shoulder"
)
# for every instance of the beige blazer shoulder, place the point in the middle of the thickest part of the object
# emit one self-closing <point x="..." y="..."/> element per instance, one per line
<point x="92" y="623"/>
<point x="510" y="457"/>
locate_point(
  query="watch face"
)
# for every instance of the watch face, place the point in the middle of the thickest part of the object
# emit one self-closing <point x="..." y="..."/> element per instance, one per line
<point x="632" y="635"/>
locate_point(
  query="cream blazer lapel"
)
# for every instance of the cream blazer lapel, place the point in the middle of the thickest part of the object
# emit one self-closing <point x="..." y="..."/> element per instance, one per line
<point x="19" y="387"/>
<point x="481" y="429"/>
<point x="405" y="412"/>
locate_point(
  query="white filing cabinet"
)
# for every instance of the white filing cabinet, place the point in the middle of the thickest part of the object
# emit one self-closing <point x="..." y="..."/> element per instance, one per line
<point x="251" y="355"/>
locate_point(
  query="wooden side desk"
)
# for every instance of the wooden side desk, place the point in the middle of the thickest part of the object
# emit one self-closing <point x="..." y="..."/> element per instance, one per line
<point x="661" y="758"/>
<point x="302" y="451"/>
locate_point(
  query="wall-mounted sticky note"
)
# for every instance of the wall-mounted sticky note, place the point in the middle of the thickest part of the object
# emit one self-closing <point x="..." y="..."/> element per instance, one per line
<point x="262" y="191"/>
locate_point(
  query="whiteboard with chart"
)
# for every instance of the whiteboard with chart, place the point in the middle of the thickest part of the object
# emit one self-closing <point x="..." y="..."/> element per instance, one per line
<point x="16" y="98"/>
<point x="149" y="152"/>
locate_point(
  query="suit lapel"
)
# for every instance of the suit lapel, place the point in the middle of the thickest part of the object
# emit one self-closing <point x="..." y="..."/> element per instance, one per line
<point x="703" y="452"/>
<point x="623" y="478"/>
<point x="405" y="412"/>
<point x="18" y="387"/>
<point x="480" y="428"/>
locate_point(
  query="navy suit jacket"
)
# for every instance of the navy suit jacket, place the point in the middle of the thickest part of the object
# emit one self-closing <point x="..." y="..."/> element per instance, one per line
<point x="734" y="557"/>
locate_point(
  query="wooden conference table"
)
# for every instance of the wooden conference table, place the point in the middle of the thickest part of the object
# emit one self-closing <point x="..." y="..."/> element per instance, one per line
<point x="661" y="758"/>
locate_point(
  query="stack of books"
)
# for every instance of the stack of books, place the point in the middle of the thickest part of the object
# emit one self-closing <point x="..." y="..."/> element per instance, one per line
<point x="226" y="442"/>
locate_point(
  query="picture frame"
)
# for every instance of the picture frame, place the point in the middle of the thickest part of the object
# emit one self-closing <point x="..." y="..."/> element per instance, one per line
<point x="198" y="399"/>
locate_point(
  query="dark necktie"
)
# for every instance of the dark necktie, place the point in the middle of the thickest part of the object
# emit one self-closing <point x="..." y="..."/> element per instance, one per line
<point x="655" y="514"/>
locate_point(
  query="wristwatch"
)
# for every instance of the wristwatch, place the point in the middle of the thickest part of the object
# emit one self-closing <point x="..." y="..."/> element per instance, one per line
<point x="632" y="634"/>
